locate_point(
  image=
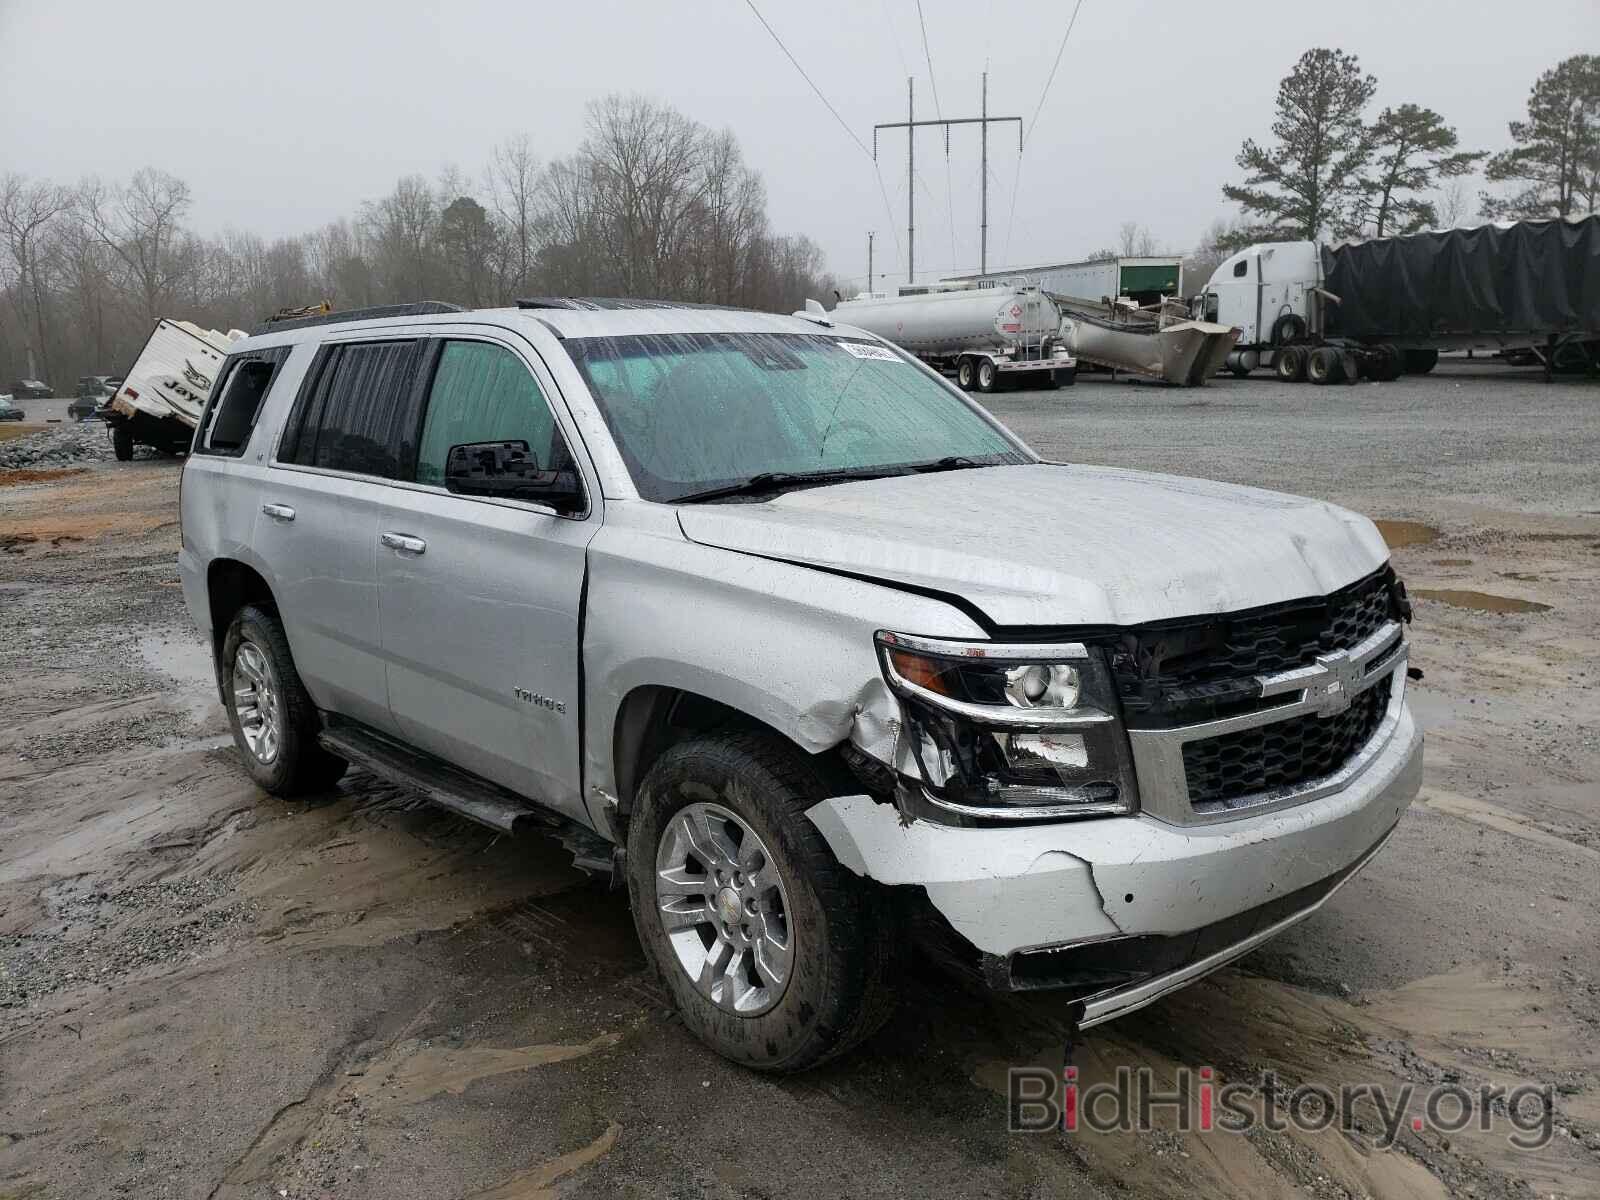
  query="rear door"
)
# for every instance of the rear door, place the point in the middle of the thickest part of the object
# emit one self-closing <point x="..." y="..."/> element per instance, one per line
<point x="480" y="597"/>
<point x="318" y="526"/>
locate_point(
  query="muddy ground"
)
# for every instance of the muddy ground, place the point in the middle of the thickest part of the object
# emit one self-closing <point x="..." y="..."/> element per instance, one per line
<point x="206" y="992"/>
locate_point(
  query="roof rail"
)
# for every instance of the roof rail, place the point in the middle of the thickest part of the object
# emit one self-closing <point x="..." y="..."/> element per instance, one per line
<point x="419" y="308"/>
<point x="614" y="303"/>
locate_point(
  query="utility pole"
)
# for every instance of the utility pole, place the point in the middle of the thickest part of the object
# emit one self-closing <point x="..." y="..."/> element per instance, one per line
<point x="911" y="125"/>
<point x="870" y="235"/>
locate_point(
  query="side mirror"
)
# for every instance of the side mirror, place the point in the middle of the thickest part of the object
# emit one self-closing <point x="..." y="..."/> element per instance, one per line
<point x="510" y="471"/>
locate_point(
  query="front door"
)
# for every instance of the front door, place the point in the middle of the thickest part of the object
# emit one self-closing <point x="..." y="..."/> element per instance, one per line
<point x="479" y="597"/>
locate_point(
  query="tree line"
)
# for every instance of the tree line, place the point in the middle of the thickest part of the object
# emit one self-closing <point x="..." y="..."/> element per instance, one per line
<point x="652" y="203"/>
<point x="1330" y="172"/>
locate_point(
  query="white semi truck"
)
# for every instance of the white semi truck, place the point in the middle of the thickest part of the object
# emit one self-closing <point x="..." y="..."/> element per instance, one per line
<point x="1377" y="309"/>
<point x="981" y="335"/>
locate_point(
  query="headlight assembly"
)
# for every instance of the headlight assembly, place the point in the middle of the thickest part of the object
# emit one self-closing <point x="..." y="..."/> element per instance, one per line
<point x="1011" y="732"/>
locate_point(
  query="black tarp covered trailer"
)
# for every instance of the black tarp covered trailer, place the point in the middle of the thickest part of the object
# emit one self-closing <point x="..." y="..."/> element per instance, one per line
<point x="1540" y="278"/>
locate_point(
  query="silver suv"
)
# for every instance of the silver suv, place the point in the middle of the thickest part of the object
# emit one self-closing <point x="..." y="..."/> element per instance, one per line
<point x="764" y="617"/>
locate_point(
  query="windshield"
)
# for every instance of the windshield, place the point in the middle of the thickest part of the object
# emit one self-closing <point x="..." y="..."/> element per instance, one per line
<point x="696" y="411"/>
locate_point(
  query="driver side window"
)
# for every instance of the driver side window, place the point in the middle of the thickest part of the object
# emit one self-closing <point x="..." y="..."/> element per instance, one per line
<point x="484" y="393"/>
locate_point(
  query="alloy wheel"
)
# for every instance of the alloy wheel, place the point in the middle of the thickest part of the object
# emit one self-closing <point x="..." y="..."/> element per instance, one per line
<point x="724" y="909"/>
<point x="257" y="702"/>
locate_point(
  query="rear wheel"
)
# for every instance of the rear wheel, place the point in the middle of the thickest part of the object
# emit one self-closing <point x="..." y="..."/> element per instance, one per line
<point x="274" y="721"/>
<point x="777" y="957"/>
<point x="1324" y="366"/>
<point x="1290" y="366"/>
<point x="964" y="374"/>
<point x="987" y="375"/>
<point x="122" y="442"/>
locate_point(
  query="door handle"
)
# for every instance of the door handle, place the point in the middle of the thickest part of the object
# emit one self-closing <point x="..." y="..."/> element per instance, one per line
<point x="278" y="512"/>
<point x="404" y="543"/>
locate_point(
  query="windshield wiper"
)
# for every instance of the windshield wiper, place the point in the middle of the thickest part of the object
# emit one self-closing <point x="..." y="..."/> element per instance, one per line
<point x="953" y="462"/>
<point x="777" y="481"/>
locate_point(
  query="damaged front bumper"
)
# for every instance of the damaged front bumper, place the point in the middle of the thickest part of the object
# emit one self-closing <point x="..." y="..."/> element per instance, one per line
<point x="1122" y="910"/>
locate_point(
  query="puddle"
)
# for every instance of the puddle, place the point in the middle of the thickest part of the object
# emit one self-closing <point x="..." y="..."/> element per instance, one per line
<point x="539" y="1183"/>
<point x="1452" y="562"/>
<point x="187" y="661"/>
<point x="426" y="1071"/>
<point x="1479" y="601"/>
<point x="1400" y="534"/>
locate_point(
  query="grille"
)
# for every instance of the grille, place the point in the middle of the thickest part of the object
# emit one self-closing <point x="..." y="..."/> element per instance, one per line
<point x="1282" y="754"/>
<point x="1184" y="674"/>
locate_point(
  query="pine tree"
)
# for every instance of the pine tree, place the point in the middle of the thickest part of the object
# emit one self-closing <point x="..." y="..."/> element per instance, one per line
<point x="1310" y="182"/>
<point x="1557" y="151"/>
<point x="1413" y="150"/>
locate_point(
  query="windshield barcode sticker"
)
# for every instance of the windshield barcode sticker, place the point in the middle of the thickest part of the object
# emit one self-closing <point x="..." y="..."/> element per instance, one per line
<point x="875" y="353"/>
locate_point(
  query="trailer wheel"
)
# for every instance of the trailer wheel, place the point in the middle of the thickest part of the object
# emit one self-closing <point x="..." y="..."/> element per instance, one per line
<point x="1349" y="367"/>
<point x="1291" y="364"/>
<point x="987" y="375"/>
<point x="1420" y="362"/>
<point x="122" y="442"/>
<point x="1324" y="366"/>
<point x="964" y="374"/>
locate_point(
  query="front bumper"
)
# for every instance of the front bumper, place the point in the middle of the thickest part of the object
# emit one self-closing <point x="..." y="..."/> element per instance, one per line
<point x="1174" y="901"/>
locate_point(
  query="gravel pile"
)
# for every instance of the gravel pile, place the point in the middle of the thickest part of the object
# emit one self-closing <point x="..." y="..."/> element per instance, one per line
<point x="58" y="446"/>
<point x="102" y="936"/>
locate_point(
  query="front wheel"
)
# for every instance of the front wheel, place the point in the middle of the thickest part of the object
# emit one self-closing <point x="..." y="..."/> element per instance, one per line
<point x="776" y="956"/>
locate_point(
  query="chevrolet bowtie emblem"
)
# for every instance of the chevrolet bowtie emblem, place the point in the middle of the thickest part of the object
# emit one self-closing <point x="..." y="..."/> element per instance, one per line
<point x="1333" y="693"/>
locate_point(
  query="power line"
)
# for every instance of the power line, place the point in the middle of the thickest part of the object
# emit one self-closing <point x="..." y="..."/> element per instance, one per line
<point x="842" y="125"/>
<point x="1059" y="50"/>
<point x="807" y="78"/>
<point x="949" y="185"/>
<point x="1016" y="178"/>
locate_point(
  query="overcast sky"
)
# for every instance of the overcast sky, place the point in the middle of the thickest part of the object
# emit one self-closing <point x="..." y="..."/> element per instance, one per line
<point x="284" y="116"/>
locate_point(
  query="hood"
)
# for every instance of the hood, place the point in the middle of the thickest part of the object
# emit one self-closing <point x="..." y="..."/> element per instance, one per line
<point x="1046" y="544"/>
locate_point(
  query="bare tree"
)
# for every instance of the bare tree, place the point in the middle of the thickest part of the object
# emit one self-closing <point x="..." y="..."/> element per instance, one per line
<point x="1135" y="240"/>
<point x="142" y="225"/>
<point x="514" y="183"/>
<point x="30" y="219"/>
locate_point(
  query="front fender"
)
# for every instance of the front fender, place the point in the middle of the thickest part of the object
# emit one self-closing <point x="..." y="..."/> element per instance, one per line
<point x="787" y="645"/>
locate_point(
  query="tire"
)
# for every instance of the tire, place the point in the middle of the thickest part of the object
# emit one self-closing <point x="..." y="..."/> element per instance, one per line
<point x="1323" y="366"/>
<point x="842" y="945"/>
<point x="1290" y="366"/>
<point x="294" y="763"/>
<point x="964" y="374"/>
<point x="988" y="377"/>
<point x="1290" y="327"/>
<point x="1420" y="362"/>
<point x="122" y="442"/>
<point x="1349" y="367"/>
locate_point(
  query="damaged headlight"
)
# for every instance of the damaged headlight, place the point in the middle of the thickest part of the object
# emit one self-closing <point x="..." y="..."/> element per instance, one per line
<point x="1011" y="732"/>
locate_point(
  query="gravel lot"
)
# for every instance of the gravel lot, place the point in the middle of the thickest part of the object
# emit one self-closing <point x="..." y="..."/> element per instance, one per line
<point x="205" y="992"/>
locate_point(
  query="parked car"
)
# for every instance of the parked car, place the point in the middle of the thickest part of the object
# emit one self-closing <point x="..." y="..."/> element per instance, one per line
<point x="32" y="389"/>
<point x="768" y="620"/>
<point x="97" y="386"/>
<point x="9" y="410"/>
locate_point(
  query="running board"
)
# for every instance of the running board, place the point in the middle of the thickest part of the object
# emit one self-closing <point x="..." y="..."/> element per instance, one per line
<point x="468" y="796"/>
<point x="457" y="791"/>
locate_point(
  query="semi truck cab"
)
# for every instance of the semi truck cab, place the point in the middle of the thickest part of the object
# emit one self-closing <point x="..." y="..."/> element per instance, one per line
<point x="1264" y="290"/>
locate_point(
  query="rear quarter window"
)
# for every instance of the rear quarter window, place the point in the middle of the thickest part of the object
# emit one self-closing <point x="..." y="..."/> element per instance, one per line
<point x="235" y="403"/>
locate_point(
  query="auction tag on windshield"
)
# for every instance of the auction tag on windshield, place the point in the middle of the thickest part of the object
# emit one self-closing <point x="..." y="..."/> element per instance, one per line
<point x="875" y="353"/>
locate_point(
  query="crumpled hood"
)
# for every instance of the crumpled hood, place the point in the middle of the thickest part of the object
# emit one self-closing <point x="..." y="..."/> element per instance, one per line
<point x="1046" y="544"/>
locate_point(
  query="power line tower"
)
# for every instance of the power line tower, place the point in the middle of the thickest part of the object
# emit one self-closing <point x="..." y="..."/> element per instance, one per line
<point x="911" y="125"/>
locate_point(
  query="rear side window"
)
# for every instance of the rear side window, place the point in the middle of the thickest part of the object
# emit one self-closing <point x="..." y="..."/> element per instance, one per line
<point x="356" y="411"/>
<point x="235" y="402"/>
<point x="484" y="393"/>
